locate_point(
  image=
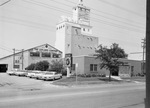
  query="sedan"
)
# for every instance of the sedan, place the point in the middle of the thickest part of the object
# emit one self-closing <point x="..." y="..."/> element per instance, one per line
<point x="51" y="76"/>
<point x="21" y="73"/>
<point x="11" y="72"/>
<point x="38" y="75"/>
<point x="31" y="74"/>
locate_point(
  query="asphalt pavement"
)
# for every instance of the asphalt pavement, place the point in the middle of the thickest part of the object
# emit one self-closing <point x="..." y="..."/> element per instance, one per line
<point x="23" y="92"/>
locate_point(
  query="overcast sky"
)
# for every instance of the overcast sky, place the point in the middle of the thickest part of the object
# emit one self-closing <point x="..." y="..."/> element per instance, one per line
<point x="28" y="23"/>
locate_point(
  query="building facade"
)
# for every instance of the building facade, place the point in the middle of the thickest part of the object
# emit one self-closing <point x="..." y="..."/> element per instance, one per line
<point x="74" y="35"/>
<point x="21" y="60"/>
<point x="90" y="65"/>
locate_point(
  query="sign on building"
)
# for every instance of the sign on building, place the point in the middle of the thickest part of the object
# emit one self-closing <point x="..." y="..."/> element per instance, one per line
<point x="68" y="59"/>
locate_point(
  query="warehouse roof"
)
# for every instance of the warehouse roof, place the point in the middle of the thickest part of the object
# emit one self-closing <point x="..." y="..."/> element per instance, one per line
<point x="46" y="45"/>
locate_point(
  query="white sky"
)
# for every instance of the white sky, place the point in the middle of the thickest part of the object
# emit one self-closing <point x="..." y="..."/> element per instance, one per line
<point x="28" y="23"/>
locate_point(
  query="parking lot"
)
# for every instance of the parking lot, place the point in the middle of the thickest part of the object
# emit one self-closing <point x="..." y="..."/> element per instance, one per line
<point x="20" y="82"/>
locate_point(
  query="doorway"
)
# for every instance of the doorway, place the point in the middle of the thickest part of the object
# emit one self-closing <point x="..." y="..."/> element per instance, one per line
<point x="3" y="68"/>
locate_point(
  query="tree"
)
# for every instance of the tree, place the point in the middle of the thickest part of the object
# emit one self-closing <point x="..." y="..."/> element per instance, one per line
<point x="110" y="57"/>
<point x="31" y="66"/>
<point x="42" y="65"/>
<point x="56" y="65"/>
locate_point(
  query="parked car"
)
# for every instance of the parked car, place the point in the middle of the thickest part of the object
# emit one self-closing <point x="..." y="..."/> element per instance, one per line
<point x="31" y="74"/>
<point x="11" y="72"/>
<point x="51" y="76"/>
<point x="35" y="73"/>
<point x="38" y="75"/>
<point x="21" y="73"/>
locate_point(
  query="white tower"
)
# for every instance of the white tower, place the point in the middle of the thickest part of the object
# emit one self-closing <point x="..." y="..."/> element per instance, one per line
<point x="74" y="35"/>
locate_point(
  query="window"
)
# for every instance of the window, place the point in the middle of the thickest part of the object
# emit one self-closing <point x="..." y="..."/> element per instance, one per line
<point x="56" y="55"/>
<point x="16" y="66"/>
<point x="68" y="45"/>
<point x="46" y="54"/>
<point x="16" y="61"/>
<point x="79" y="46"/>
<point x="83" y="29"/>
<point x="35" y="54"/>
<point x="93" y="67"/>
<point x="132" y="68"/>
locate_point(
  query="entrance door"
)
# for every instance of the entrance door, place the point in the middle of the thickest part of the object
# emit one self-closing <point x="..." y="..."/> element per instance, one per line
<point x="3" y="68"/>
<point x="115" y="71"/>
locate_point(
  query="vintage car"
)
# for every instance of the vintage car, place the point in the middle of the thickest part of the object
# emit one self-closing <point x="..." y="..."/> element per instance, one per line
<point x="51" y="76"/>
<point x="20" y="72"/>
<point x="11" y="72"/>
<point x="38" y="75"/>
<point x="31" y="74"/>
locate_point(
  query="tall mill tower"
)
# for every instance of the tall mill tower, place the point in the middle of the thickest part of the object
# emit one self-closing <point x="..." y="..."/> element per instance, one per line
<point x="74" y="35"/>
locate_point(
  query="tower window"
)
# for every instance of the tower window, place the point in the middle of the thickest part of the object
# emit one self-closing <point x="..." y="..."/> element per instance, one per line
<point x="83" y="29"/>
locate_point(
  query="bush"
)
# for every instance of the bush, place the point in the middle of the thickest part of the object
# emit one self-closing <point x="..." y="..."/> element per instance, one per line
<point x="88" y="75"/>
<point x="57" y="66"/>
<point x="93" y="75"/>
<point x="42" y="65"/>
<point x="31" y="67"/>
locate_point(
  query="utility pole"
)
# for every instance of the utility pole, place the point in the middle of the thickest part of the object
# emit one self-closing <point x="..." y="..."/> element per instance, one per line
<point x="13" y="58"/>
<point x="143" y="46"/>
<point x="22" y="58"/>
<point x="147" y="101"/>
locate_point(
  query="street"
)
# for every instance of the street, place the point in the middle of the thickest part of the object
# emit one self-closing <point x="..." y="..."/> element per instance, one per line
<point x="97" y="96"/>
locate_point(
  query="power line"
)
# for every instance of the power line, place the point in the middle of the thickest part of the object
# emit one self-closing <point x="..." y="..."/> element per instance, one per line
<point x="5" y="3"/>
<point x="46" y="6"/>
<point x="26" y="23"/>
<point x="5" y="49"/>
<point x="124" y="9"/>
<point x="106" y="13"/>
<point x="97" y="20"/>
<point x="102" y="16"/>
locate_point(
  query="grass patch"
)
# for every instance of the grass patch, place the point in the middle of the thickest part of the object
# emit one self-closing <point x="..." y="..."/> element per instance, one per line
<point x="136" y="78"/>
<point x="84" y="81"/>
